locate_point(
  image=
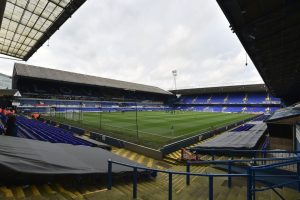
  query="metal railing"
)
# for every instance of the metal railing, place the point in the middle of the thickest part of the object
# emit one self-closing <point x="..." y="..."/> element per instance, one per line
<point x="170" y="177"/>
<point x="215" y="151"/>
<point x="248" y="153"/>
<point x="230" y="163"/>
<point x="251" y="175"/>
<point x="251" y="194"/>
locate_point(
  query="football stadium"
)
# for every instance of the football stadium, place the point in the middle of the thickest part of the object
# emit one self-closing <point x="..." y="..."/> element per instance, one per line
<point x="67" y="135"/>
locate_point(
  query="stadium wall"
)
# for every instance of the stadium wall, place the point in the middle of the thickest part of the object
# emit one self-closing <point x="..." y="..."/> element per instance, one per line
<point x="156" y="154"/>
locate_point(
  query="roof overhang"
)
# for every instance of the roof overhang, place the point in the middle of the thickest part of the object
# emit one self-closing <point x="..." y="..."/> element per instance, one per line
<point x="27" y="25"/>
<point x="9" y="93"/>
<point x="269" y="30"/>
<point x="23" y="71"/>
<point x="288" y="115"/>
<point x="222" y="89"/>
<point x="2" y="8"/>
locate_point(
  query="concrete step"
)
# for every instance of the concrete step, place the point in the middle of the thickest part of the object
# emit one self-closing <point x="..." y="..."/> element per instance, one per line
<point x="233" y="193"/>
<point x="290" y="193"/>
<point x="154" y="189"/>
<point x="171" y="161"/>
<point x="222" y="194"/>
<point x="6" y="193"/>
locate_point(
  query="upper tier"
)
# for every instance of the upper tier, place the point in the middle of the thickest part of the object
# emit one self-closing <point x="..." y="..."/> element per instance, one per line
<point x="230" y="98"/>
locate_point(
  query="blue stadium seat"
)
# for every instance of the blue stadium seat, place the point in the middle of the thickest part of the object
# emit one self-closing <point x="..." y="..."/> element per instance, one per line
<point x="34" y="129"/>
<point x="218" y="98"/>
<point x="244" y="127"/>
<point x="256" y="98"/>
<point x="236" y="98"/>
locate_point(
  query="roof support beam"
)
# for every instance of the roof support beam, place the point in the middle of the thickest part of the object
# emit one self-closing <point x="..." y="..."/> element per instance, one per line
<point x="69" y="10"/>
<point x="2" y="8"/>
<point x="25" y="35"/>
<point x="22" y="24"/>
<point x="269" y="32"/>
<point x="56" y="4"/>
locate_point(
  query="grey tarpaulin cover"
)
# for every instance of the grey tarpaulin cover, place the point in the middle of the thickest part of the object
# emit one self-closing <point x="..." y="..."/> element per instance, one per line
<point x="22" y="159"/>
<point x="237" y="140"/>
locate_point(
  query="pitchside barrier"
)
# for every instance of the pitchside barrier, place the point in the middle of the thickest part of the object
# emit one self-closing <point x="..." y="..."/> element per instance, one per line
<point x="156" y="154"/>
<point x="199" y="137"/>
<point x="73" y="129"/>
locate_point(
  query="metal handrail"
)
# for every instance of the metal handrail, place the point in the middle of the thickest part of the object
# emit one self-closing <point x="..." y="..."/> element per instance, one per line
<point x="241" y="151"/>
<point x="276" y="186"/>
<point x="170" y="173"/>
<point x="292" y="161"/>
<point x="283" y="162"/>
<point x="238" y="160"/>
<point x="251" y="175"/>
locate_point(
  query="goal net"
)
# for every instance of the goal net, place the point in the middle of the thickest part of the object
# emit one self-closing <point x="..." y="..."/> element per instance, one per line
<point x="75" y="115"/>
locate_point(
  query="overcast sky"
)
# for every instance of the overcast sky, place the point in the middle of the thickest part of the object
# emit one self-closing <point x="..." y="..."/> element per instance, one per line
<point x="142" y="41"/>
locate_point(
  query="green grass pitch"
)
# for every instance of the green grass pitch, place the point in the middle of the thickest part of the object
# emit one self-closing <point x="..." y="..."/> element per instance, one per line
<point x="155" y="128"/>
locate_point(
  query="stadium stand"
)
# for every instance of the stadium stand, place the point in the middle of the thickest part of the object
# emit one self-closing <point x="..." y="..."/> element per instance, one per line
<point x="218" y="98"/>
<point x="50" y="105"/>
<point x="32" y="80"/>
<point x="34" y="129"/>
<point x="253" y="99"/>
<point x="233" y="109"/>
<point x="201" y="99"/>
<point x="37" y="130"/>
<point x="256" y="98"/>
<point x="37" y="95"/>
<point x="245" y="127"/>
<point x="264" y="174"/>
<point x="41" y="93"/>
<point x="235" y="98"/>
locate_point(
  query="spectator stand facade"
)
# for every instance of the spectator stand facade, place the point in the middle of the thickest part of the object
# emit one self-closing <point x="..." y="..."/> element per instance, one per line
<point x="241" y="98"/>
<point x="47" y="90"/>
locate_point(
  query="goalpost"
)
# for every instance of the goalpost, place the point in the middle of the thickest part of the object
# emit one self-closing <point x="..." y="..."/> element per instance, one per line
<point x="74" y="114"/>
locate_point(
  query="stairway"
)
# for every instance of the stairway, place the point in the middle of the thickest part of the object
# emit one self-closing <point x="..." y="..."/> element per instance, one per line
<point x="141" y="159"/>
<point x="148" y="189"/>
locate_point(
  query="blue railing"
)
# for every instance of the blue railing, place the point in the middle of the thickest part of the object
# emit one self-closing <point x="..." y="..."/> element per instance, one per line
<point x="170" y="177"/>
<point x="250" y="175"/>
<point x="230" y="163"/>
<point x="240" y="151"/>
<point x="249" y="153"/>
<point x="252" y="161"/>
<point x="253" y="176"/>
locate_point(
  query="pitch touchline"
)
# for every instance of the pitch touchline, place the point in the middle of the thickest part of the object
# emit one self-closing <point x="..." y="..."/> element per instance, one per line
<point x="139" y="131"/>
<point x="162" y="135"/>
<point x="199" y="130"/>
